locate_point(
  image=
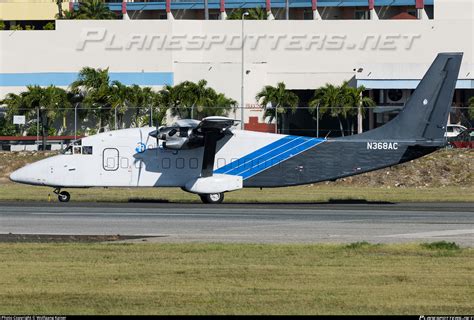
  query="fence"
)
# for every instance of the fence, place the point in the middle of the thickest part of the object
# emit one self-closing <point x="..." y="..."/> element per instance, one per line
<point x="77" y="122"/>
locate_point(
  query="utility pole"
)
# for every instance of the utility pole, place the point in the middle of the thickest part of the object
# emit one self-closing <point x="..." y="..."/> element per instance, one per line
<point x="242" y="73"/>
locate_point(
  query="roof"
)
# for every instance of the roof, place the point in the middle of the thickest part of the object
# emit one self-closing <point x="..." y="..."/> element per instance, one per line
<point x="234" y="4"/>
<point x="403" y="16"/>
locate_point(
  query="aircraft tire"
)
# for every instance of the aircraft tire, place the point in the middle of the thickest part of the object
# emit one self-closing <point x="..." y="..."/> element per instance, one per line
<point x="64" y="196"/>
<point x="212" y="198"/>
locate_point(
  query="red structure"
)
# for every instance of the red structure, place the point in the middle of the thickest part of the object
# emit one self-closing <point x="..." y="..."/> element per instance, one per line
<point x="124" y="7"/>
<point x="371" y="4"/>
<point x="222" y="6"/>
<point x="419" y="4"/>
<point x="255" y="125"/>
<point x="268" y="5"/>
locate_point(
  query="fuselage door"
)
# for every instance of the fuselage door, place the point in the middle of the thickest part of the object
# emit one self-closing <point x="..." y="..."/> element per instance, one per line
<point x="110" y="159"/>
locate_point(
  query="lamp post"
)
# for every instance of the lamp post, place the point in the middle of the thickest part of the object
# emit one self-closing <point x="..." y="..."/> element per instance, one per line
<point x="242" y="82"/>
<point x="75" y="121"/>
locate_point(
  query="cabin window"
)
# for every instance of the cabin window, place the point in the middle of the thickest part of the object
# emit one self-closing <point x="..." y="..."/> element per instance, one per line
<point x="193" y="163"/>
<point x="77" y="150"/>
<point x="87" y="150"/>
<point x="68" y="150"/>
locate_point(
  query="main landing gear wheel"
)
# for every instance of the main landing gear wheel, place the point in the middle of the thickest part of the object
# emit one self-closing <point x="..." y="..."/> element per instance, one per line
<point x="212" y="198"/>
<point x="64" y="196"/>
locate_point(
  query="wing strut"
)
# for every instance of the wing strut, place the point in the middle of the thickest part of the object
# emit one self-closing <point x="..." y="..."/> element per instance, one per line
<point x="210" y="142"/>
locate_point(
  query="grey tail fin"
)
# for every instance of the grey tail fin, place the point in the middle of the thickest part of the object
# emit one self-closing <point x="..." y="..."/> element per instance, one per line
<point x="425" y="114"/>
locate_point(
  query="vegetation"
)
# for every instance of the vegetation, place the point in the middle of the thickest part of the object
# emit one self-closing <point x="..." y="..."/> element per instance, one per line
<point x="88" y="10"/>
<point x="49" y="102"/>
<point x="277" y="100"/>
<point x="154" y="278"/>
<point x="342" y="102"/>
<point x="59" y="4"/>
<point x="254" y="14"/>
<point x="441" y="245"/>
<point x="195" y="100"/>
<point x="99" y="98"/>
<point x="2" y="25"/>
<point x="470" y="110"/>
<point x="49" y="26"/>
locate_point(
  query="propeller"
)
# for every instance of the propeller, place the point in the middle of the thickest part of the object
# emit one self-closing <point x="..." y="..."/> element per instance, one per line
<point x="139" y="157"/>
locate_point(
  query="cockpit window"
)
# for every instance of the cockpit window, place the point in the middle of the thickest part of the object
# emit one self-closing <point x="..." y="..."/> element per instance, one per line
<point x="68" y="150"/>
<point x="77" y="149"/>
<point x="87" y="150"/>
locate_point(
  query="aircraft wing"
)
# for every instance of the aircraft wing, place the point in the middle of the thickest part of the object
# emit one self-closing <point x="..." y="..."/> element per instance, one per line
<point x="205" y="134"/>
<point x="215" y="123"/>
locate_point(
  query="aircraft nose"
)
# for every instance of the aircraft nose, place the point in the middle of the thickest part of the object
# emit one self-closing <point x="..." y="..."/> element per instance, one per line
<point x="18" y="175"/>
<point x="27" y="174"/>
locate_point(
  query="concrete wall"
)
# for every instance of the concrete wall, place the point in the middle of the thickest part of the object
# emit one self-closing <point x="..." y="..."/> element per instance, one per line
<point x="304" y="54"/>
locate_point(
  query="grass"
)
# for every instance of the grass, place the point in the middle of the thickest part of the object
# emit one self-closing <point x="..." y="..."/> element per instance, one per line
<point x="234" y="279"/>
<point x="315" y="193"/>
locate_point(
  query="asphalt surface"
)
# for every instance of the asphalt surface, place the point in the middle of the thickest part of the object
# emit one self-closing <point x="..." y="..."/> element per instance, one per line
<point x="250" y="223"/>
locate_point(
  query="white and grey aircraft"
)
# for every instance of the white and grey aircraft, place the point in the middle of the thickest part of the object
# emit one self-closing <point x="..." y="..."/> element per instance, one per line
<point x="210" y="157"/>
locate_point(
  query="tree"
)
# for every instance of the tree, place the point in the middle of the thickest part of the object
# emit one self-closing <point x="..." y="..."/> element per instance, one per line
<point x="170" y="99"/>
<point x="470" y="110"/>
<point x="51" y="102"/>
<point x="15" y="105"/>
<point x="59" y="3"/>
<point x="333" y="100"/>
<point x="359" y="103"/>
<point x="94" y="10"/>
<point x="68" y="15"/>
<point x="119" y="101"/>
<point x="147" y="104"/>
<point x="93" y="87"/>
<point x="88" y="10"/>
<point x="195" y="100"/>
<point x="342" y="102"/>
<point x="277" y="101"/>
<point x="254" y="14"/>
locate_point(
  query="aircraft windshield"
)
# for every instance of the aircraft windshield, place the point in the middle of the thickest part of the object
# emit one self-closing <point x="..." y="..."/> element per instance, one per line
<point x="75" y="148"/>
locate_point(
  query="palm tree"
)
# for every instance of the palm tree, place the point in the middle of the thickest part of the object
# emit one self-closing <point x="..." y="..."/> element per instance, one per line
<point x="94" y="10"/>
<point x="59" y="3"/>
<point x="159" y="105"/>
<point x="194" y="100"/>
<point x="67" y="15"/>
<point x="342" y="102"/>
<point x="333" y="100"/>
<point x="360" y="103"/>
<point x="93" y="86"/>
<point x="277" y="102"/>
<point x="51" y="102"/>
<point x="254" y="14"/>
<point x="119" y="100"/>
<point x="170" y="99"/>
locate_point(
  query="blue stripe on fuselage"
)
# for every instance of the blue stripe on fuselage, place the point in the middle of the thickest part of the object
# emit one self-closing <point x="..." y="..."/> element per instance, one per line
<point x="269" y="156"/>
<point x="248" y="158"/>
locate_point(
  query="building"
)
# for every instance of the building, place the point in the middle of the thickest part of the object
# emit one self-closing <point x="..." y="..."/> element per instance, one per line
<point x="387" y="56"/>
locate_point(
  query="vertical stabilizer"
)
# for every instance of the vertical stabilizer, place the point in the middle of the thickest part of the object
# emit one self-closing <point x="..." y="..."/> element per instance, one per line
<point x="425" y="115"/>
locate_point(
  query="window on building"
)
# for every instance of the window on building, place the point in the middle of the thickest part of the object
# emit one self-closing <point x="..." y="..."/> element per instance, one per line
<point x="361" y="15"/>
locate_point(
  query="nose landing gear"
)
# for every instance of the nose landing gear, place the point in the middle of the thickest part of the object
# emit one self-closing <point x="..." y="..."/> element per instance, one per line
<point x="63" y="196"/>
